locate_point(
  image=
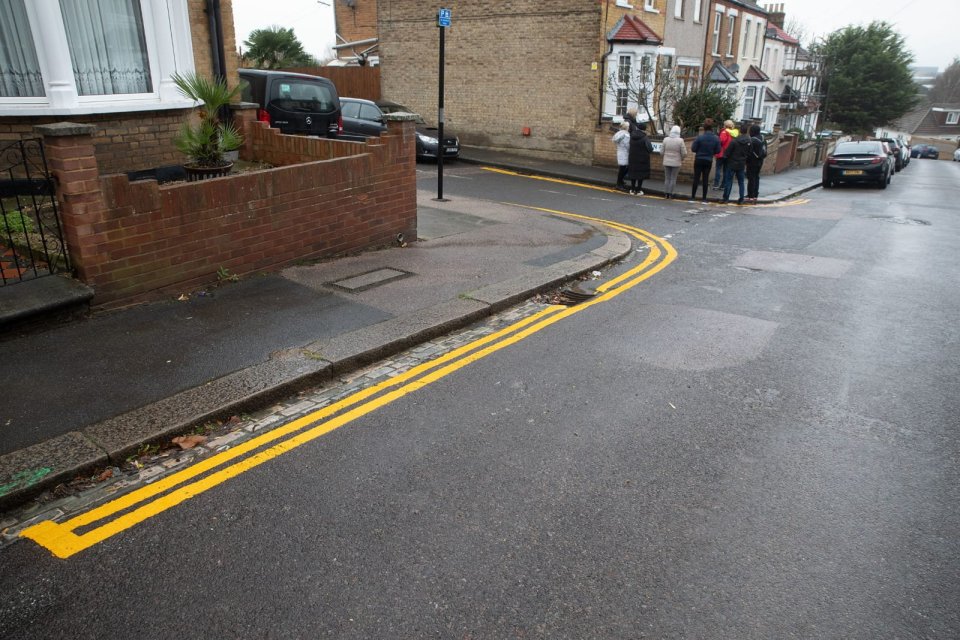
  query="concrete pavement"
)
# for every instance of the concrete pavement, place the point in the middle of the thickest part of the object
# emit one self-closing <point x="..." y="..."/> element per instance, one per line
<point x="92" y="392"/>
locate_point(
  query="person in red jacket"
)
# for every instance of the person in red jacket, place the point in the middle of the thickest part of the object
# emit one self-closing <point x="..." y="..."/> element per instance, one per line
<point x="729" y="133"/>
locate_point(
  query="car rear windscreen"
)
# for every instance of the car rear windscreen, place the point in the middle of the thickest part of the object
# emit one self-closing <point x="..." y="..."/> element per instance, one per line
<point x="299" y="95"/>
<point x="853" y="148"/>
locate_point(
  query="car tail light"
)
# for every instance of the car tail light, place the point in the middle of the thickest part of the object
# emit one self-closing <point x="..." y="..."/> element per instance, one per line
<point x="876" y="160"/>
<point x="832" y="160"/>
<point x="339" y="125"/>
<point x="263" y="116"/>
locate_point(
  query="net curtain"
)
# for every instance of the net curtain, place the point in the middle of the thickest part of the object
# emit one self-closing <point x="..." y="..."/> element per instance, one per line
<point x="107" y="46"/>
<point x="20" y="75"/>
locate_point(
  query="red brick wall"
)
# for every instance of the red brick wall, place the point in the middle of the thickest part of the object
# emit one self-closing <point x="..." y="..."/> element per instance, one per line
<point x="123" y="141"/>
<point x="135" y="241"/>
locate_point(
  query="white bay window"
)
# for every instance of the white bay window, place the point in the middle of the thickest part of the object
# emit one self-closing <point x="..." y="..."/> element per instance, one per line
<point x="62" y="57"/>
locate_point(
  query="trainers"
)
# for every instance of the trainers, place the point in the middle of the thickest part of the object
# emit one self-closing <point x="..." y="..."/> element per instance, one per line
<point x="632" y="192"/>
<point x="638" y="193"/>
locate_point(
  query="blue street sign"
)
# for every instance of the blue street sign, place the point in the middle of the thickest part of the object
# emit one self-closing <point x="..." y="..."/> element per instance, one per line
<point x="443" y="18"/>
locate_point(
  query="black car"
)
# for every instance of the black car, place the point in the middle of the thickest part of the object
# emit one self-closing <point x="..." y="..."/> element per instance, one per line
<point x="925" y="151"/>
<point x="866" y="161"/>
<point x="427" y="144"/>
<point x="293" y="102"/>
<point x="361" y="119"/>
<point x="898" y="151"/>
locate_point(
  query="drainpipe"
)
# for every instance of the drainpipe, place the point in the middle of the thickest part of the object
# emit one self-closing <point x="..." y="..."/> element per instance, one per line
<point x="215" y="18"/>
<point x="603" y="63"/>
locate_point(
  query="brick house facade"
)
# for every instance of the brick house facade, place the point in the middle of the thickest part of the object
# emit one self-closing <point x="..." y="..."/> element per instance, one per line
<point x="511" y="67"/>
<point x="355" y="21"/>
<point x="524" y="77"/>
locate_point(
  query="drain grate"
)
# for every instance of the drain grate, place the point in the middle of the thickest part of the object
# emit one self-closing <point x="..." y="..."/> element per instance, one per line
<point x="570" y="296"/>
<point x="370" y="279"/>
<point x="900" y="220"/>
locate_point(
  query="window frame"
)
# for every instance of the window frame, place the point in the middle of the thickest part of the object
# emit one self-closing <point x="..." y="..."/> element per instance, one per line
<point x="621" y="67"/>
<point x="697" y="11"/>
<point x="717" y="26"/>
<point x="173" y="55"/>
<point x="678" y="9"/>
<point x="731" y="27"/>
<point x="746" y="37"/>
<point x="650" y="6"/>
<point x="749" y="93"/>
<point x="953" y="117"/>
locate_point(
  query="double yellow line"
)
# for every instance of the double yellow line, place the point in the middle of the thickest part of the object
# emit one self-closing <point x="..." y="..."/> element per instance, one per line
<point x="90" y="528"/>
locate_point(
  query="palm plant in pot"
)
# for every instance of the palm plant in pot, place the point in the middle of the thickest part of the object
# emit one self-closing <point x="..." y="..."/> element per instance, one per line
<point x="208" y="140"/>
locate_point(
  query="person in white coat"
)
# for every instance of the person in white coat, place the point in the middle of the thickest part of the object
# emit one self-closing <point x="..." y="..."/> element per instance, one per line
<point x="674" y="151"/>
<point x="622" y="141"/>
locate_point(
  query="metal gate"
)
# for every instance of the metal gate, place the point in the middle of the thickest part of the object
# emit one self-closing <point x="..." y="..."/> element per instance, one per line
<point x="31" y="237"/>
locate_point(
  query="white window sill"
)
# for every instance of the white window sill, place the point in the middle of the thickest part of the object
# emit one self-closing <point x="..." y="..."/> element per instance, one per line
<point x="651" y="10"/>
<point x="625" y="5"/>
<point x="89" y="108"/>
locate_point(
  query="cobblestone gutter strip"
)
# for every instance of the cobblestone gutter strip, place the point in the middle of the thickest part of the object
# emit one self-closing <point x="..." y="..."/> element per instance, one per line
<point x="28" y="473"/>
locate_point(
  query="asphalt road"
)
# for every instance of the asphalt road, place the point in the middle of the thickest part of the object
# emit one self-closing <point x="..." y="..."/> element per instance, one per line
<point x="758" y="442"/>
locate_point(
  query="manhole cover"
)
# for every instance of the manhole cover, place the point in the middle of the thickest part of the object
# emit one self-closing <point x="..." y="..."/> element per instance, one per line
<point x="370" y="279"/>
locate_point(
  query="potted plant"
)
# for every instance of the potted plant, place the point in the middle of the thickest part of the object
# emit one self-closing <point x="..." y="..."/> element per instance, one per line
<point x="207" y="141"/>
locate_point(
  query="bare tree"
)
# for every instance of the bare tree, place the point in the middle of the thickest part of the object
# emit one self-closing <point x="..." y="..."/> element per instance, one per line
<point x="947" y="86"/>
<point x="652" y="87"/>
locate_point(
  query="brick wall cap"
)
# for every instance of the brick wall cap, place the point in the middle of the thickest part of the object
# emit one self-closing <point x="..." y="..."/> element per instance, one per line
<point x="401" y="116"/>
<point x="59" y="129"/>
<point x="243" y="106"/>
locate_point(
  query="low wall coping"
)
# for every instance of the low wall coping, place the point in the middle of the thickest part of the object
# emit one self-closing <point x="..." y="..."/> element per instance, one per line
<point x="243" y="106"/>
<point x="59" y="129"/>
<point x="401" y="116"/>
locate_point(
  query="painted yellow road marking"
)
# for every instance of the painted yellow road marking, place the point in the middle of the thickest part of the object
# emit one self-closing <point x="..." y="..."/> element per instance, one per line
<point x="63" y="540"/>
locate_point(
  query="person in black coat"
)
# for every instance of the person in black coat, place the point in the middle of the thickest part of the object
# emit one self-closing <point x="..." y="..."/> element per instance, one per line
<point x="705" y="147"/>
<point x="736" y="156"/>
<point x="755" y="162"/>
<point x="638" y="163"/>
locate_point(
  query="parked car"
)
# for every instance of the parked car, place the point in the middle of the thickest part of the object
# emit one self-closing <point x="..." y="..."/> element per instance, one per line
<point x="865" y="161"/>
<point x="427" y="143"/>
<point x="906" y="148"/>
<point x="925" y="151"/>
<point x="361" y="119"/>
<point x="293" y="102"/>
<point x="898" y="152"/>
<point x="956" y="155"/>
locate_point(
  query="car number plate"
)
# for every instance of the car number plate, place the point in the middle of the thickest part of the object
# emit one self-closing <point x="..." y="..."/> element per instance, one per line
<point x="855" y="172"/>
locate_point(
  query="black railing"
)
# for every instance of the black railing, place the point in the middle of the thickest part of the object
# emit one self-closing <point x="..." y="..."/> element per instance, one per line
<point x="31" y="237"/>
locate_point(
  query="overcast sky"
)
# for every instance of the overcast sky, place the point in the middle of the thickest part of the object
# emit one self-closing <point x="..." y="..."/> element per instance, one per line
<point x="931" y="27"/>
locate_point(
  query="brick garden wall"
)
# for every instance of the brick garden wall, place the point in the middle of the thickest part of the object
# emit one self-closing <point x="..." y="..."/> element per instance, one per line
<point x="123" y="141"/>
<point x="135" y="241"/>
<point x="509" y="65"/>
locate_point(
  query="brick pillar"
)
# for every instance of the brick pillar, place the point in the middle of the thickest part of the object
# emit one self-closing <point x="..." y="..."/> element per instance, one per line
<point x="70" y="157"/>
<point x="243" y="113"/>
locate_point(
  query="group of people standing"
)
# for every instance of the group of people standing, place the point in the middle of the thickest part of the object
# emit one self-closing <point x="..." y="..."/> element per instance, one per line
<point x="734" y="154"/>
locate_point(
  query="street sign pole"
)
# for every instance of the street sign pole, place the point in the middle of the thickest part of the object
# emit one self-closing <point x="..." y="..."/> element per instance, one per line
<point x="443" y="21"/>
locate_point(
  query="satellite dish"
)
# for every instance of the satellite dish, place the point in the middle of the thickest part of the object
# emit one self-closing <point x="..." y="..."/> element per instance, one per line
<point x="734" y="68"/>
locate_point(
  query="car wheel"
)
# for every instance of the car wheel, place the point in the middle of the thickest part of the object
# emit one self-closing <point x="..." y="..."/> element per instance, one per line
<point x="826" y="183"/>
<point x="884" y="182"/>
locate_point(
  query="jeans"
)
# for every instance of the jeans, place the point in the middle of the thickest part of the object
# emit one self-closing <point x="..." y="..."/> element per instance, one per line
<point x="719" y="173"/>
<point x="728" y="182"/>
<point x="701" y="170"/>
<point x="670" y="179"/>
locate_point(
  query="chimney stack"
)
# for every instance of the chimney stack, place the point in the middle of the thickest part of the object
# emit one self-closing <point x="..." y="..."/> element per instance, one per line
<point x="777" y="16"/>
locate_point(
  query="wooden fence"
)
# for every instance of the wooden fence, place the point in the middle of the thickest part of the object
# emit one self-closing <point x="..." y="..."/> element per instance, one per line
<point x="351" y="82"/>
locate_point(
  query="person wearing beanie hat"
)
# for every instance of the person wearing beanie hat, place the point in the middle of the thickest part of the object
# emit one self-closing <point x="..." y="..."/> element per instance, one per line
<point x="674" y="151"/>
